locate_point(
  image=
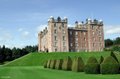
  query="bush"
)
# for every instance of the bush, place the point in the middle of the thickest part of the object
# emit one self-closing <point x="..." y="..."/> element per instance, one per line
<point x="52" y="64"/>
<point x="48" y="63"/>
<point x="114" y="56"/>
<point x="78" y="64"/>
<point x="59" y="63"/>
<point x="92" y="66"/>
<point x="109" y="66"/>
<point x="45" y="64"/>
<point x="101" y="59"/>
<point x="67" y="64"/>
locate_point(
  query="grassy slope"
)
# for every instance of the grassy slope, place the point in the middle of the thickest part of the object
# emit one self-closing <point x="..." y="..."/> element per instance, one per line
<point x="28" y="67"/>
<point x="38" y="72"/>
<point x="37" y="59"/>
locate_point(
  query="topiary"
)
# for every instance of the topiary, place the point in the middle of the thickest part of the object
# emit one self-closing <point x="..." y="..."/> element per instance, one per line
<point x="92" y="66"/>
<point x="52" y="64"/>
<point x="67" y="63"/>
<point x="48" y="63"/>
<point x="114" y="56"/>
<point x="78" y="64"/>
<point x="45" y="64"/>
<point x="101" y="59"/>
<point x="59" y="63"/>
<point x="109" y="66"/>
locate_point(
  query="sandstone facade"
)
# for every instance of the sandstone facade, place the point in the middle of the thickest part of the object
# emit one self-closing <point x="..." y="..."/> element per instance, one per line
<point x="58" y="37"/>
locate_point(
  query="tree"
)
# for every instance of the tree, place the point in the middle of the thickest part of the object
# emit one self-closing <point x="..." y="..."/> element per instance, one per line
<point x="108" y="42"/>
<point x="117" y="41"/>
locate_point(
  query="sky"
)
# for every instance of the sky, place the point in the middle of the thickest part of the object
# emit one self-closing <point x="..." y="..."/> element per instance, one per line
<point x="21" y="20"/>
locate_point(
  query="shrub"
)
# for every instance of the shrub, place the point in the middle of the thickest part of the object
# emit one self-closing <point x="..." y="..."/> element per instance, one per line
<point x="109" y="66"/>
<point x="92" y="66"/>
<point x="114" y="56"/>
<point x="45" y="64"/>
<point x="59" y="63"/>
<point x="52" y="64"/>
<point x="48" y="63"/>
<point x="101" y="59"/>
<point x="78" y="64"/>
<point x="67" y="63"/>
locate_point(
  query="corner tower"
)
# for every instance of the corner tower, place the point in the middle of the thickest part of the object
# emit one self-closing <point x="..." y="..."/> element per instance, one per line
<point x="95" y="35"/>
<point x="58" y="35"/>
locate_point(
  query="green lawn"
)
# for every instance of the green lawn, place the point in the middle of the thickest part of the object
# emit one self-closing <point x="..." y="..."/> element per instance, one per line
<point x="37" y="59"/>
<point x="38" y="72"/>
<point x="30" y="67"/>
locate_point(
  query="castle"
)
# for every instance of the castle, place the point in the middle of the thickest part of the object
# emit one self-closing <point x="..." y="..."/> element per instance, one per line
<point x="58" y="37"/>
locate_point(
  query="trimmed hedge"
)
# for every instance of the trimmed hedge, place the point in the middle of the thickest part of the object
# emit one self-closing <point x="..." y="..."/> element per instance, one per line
<point x="101" y="59"/>
<point x="45" y="64"/>
<point x="114" y="56"/>
<point x="67" y="63"/>
<point x="52" y="64"/>
<point x="109" y="66"/>
<point x="48" y="63"/>
<point x="59" y="63"/>
<point x="78" y="64"/>
<point x="92" y="66"/>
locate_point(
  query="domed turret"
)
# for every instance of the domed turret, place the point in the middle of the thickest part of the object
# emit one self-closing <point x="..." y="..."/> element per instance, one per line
<point x="58" y="19"/>
<point x="51" y="19"/>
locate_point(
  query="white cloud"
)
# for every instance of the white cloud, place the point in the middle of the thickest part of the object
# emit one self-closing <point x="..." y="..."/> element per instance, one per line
<point x="112" y="29"/>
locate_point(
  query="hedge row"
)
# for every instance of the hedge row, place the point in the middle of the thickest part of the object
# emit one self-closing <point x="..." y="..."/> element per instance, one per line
<point x="109" y="65"/>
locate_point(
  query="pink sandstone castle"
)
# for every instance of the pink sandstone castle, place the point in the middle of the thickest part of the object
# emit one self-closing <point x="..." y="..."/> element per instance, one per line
<point x="58" y="37"/>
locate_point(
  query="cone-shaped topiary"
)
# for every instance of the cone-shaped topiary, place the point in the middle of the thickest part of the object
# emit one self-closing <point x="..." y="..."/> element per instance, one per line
<point x="52" y="64"/>
<point x="67" y="63"/>
<point x="114" y="56"/>
<point x="101" y="59"/>
<point x="48" y="63"/>
<point x="92" y="66"/>
<point x="78" y="64"/>
<point x="45" y="64"/>
<point x="59" y="63"/>
<point x="109" y="66"/>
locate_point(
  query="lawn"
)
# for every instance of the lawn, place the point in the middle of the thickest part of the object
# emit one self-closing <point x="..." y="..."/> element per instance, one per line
<point x="30" y="67"/>
<point x="37" y="59"/>
<point x="38" y="72"/>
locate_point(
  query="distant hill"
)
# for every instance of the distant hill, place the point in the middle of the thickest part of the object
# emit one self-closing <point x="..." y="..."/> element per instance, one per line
<point x="37" y="59"/>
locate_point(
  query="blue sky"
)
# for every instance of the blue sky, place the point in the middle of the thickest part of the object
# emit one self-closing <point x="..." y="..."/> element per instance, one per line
<point x="21" y="20"/>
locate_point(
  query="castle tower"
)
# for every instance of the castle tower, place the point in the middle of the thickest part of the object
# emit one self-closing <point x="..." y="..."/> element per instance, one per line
<point x="95" y="35"/>
<point x="58" y="35"/>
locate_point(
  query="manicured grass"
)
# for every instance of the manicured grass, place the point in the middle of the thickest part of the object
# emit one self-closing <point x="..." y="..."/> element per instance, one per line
<point x="30" y="67"/>
<point x="38" y="72"/>
<point x="37" y="59"/>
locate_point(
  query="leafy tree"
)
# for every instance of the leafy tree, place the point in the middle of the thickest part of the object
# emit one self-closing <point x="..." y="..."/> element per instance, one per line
<point x="108" y="42"/>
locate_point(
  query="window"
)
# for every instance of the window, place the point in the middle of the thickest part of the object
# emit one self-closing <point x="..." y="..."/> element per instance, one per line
<point x="84" y="39"/>
<point x="63" y="43"/>
<point x="93" y="33"/>
<point x="70" y="32"/>
<point x="55" y="25"/>
<point x="93" y="44"/>
<point x="64" y="31"/>
<point x="76" y="33"/>
<point x="55" y="37"/>
<point x="84" y="33"/>
<point x="63" y="25"/>
<point x="76" y="39"/>
<point x="55" y="49"/>
<point x="71" y="44"/>
<point x="63" y="37"/>
<point x="55" y="31"/>
<point x="55" y="43"/>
